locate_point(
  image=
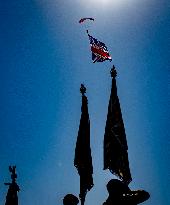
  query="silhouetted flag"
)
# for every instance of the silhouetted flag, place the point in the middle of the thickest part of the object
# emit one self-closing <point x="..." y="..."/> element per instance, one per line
<point x="115" y="144"/>
<point x="83" y="159"/>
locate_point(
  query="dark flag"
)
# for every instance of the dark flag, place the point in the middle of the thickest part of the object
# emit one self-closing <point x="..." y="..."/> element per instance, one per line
<point x="115" y="144"/>
<point x="12" y="197"/>
<point x="83" y="159"/>
<point x="99" y="50"/>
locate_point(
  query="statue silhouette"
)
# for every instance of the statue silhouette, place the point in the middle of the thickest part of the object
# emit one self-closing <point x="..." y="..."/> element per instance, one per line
<point x="120" y="194"/>
<point x="70" y="199"/>
<point x="12" y="197"/>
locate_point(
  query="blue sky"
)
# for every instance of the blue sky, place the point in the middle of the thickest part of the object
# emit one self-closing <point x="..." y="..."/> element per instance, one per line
<point x="45" y="56"/>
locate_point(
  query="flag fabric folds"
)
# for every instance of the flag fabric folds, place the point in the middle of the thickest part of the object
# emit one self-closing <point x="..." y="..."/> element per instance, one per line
<point x="115" y="144"/>
<point x="83" y="159"/>
<point x="99" y="50"/>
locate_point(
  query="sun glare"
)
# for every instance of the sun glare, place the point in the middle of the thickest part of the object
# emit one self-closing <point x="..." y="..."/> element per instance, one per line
<point x="107" y="3"/>
<point x="101" y="1"/>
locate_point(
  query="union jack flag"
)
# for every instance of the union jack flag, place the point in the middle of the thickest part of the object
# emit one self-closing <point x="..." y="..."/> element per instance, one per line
<point x="99" y="50"/>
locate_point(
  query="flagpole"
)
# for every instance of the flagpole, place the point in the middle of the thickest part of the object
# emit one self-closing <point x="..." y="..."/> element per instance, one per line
<point x="82" y="200"/>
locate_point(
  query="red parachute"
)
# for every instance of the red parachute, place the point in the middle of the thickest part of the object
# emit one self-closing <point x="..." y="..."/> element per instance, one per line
<point x="84" y="19"/>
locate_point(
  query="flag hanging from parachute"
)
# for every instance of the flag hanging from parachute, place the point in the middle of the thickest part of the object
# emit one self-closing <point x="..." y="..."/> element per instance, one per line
<point x="83" y="159"/>
<point x="99" y="50"/>
<point x="115" y="144"/>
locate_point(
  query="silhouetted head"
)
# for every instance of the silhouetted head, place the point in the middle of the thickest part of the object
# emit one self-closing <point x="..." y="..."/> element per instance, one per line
<point x="116" y="186"/>
<point x="120" y="193"/>
<point x="70" y="199"/>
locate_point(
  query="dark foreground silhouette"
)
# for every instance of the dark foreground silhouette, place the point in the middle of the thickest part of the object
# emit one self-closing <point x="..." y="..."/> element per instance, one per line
<point x="12" y="197"/>
<point x="70" y="199"/>
<point x="120" y="194"/>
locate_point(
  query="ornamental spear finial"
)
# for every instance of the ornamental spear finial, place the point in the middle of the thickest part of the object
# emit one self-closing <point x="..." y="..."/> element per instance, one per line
<point x="82" y="89"/>
<point x="113" y="72"/>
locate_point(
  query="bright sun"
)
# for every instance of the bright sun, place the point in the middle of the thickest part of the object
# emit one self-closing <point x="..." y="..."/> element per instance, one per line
<point x="107" y="2"/>
<point x="100" y="2"/>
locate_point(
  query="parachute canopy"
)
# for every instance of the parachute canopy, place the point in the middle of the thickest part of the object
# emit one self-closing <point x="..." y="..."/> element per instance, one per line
<point x="84" y="19"/>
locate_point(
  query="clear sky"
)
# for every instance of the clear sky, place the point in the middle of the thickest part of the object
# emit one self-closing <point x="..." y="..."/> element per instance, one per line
<point x="45" y="56"/>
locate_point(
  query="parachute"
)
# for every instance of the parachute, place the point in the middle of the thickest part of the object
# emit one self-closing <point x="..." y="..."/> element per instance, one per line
<point x="84" y="19"/>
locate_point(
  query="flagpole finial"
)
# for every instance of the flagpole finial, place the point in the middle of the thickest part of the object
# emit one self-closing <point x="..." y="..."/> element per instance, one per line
<point x="82" y="89"/>
<point x="113" y="72"/>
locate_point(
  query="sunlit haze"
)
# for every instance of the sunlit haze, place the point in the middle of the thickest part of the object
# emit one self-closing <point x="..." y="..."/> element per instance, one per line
<point x="108" y="3"/>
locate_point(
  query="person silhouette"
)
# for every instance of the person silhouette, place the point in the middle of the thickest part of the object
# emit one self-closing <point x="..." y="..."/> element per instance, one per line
<point x="70" y="199"/>
<point x="120" y="194"/>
